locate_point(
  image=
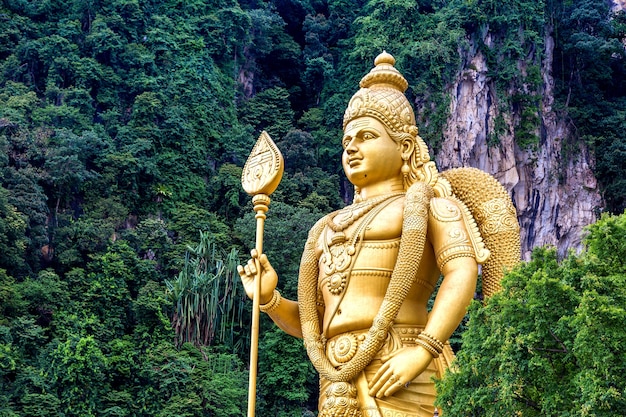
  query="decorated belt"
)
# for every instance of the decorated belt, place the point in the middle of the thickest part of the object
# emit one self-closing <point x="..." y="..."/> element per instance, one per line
<point x="341" y="348"/>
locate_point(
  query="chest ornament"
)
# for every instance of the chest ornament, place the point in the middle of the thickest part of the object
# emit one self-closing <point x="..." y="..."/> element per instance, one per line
<point x="337" y="257"/>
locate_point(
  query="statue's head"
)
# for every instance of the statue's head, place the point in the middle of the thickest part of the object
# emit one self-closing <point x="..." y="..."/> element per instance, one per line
<point x="382" y="97"/>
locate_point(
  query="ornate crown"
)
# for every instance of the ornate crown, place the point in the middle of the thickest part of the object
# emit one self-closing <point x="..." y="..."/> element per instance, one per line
<point x="382" y="96"/>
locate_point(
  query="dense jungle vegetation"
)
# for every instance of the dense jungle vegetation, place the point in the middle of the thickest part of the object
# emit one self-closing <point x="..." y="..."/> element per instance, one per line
<point x="124" y="126"/>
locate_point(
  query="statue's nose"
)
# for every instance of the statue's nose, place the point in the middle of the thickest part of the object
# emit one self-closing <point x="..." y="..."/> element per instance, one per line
<point x="351" y="148"/>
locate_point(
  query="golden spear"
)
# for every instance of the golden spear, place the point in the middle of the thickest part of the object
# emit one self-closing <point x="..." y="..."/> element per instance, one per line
<point x="261" y="175"/>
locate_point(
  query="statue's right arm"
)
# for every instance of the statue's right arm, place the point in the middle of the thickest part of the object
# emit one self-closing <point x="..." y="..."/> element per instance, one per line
<point x="285" y="315"/>
<point x="287" y="318"/>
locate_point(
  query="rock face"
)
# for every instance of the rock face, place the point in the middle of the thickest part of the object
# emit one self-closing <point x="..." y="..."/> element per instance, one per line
<point x="552" y="183"/>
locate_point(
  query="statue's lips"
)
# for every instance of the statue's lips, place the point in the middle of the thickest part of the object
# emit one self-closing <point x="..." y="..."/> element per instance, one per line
<point x="354" y="162"/>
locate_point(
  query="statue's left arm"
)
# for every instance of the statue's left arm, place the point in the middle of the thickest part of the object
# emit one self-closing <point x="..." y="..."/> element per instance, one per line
<point x="454" y="252"/>
<point x="455" y="294"/>
<point x="450" y="236"/>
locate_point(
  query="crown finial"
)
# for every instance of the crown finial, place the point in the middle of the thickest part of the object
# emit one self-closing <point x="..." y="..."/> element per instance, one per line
<point x="385" y="58"/>
<point x="384" y="74"/>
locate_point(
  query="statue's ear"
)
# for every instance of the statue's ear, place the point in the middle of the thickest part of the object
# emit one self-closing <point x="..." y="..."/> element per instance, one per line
<point x="408" y="146"/>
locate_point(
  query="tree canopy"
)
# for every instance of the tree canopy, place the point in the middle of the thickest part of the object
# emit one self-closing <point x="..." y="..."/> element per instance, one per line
<point x="550" y="344"/>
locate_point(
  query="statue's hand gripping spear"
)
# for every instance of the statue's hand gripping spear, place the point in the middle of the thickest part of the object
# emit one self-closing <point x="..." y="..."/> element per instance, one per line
<point x="261" y="175"/>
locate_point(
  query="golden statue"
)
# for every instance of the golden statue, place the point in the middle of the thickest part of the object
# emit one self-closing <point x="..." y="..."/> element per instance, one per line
<point x="369" y="269"/>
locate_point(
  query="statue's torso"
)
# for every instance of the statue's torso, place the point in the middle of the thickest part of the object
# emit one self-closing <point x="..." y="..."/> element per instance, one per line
<point x="354" y="286"/>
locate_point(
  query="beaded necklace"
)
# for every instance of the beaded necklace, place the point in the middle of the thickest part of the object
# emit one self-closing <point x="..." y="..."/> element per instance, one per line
<point x="348" y="215"/>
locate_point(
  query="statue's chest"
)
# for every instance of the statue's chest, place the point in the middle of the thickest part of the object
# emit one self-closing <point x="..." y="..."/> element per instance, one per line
<point x="369" y="244"/>
<point x="378" y="222"/>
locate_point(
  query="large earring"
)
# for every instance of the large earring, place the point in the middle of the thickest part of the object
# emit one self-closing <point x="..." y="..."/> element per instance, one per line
<point x="405" y="167"/>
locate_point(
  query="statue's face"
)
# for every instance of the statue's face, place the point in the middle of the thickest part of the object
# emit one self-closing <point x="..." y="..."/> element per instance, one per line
<point x="370" y="155"/>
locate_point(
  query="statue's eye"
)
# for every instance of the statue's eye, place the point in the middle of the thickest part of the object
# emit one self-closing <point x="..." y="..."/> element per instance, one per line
<point x="368" y="136"/>
<point x="346" y="141"/>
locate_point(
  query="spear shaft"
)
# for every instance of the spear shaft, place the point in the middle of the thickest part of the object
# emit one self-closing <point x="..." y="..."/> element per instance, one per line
<point x="261" y="175"/>
<point x="261" y="203"/>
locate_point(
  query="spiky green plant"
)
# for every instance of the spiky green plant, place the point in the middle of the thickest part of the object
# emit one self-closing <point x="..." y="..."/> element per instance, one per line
<point x="208" y="302"/>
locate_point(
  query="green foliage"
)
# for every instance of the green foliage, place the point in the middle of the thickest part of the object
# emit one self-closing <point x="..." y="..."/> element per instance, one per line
<point x="289" y="385"/>
<point x="187" y="219"/>
<point x="269" y="110"/>
<point x="182" y="383"/>
<point x="548" y="343"/>
<point x="77" y="372"/>
<point x="13" y="240"/>
<point x="150" y="311"/>
<point x="607" y="136"/>
<point x="272" y="56"/>
<point x="526" y="133"/>
<point x="227" y="198"/>
<point x="11" y="301"/>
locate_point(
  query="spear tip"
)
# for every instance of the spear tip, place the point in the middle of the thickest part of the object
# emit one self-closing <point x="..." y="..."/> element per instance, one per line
<point x="264" y="168"/>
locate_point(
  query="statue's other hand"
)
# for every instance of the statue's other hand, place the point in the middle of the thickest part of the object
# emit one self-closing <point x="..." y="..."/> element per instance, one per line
<point x="398" y="370"/>
<point x="248" y="273"/>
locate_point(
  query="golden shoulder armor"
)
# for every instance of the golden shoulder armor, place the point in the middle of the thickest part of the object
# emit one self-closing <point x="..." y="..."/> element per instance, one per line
<point x="459" y="230"/>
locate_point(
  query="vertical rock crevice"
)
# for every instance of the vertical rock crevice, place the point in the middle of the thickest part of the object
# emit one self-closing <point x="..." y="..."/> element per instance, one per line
<point x="552" y="183"/>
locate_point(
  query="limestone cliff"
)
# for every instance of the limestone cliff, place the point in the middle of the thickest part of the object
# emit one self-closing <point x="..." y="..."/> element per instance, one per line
<point x="552" y="183"/>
